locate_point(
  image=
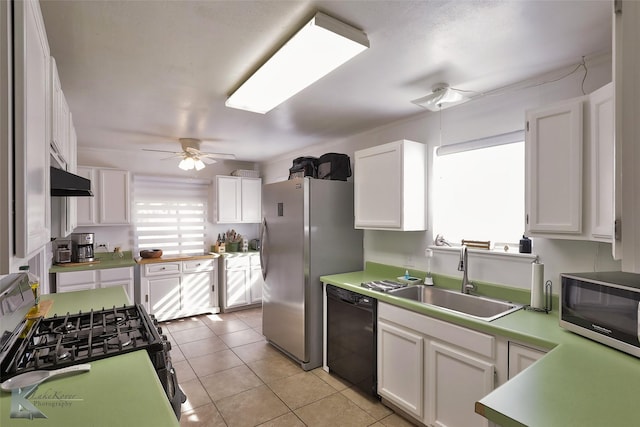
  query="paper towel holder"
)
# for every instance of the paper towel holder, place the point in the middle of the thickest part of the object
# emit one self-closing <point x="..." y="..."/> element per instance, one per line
<point x="548" y="304"/>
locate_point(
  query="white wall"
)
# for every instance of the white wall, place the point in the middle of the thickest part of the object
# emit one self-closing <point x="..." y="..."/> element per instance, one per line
<point x="486" y="116"/>
<point x="144" y="163"/>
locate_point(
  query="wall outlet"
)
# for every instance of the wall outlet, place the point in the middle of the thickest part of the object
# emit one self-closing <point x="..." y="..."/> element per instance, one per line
<point x="103" y="246"/>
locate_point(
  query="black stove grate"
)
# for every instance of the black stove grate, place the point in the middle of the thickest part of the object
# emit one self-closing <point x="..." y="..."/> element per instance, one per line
<point x="61" y="341"/>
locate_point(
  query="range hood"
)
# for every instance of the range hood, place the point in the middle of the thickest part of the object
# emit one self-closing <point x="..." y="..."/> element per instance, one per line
<point x="64" y="184"/>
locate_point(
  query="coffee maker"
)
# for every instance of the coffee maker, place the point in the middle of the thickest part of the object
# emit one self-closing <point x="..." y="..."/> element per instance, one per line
<point x="82" y="247"/>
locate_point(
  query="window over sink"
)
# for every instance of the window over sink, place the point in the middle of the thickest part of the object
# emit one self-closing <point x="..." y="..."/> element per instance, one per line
<point x="479" y="190"/>
<point x="170" y="214"/>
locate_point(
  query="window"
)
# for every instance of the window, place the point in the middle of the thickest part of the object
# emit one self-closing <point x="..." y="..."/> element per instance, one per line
<point x="479" y="190"/>
<point x="170" y="214"/>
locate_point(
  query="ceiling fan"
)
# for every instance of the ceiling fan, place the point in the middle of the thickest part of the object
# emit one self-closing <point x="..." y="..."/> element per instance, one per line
<point x="442" y="96"/>
<point x="191" y="155"/>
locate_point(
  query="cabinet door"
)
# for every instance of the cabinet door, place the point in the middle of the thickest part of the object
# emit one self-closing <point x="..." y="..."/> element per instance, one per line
<point x="251" y="197"/>
<point x="31" y="129"/>
<point x="163" y="296"/>
<point x="255" y="287"/>
<point x="114" y="196"/>
<point x="521" y="357"/>
<point x="59" y="115"/>
<point x="455" y="381"/>
<point x="72" y="166"/>
<point x="553" y="168"/>
<point x="228" y="203"/>
<point x="86" y="206"/>
<point x="400" y="368"/>
<point x="196" y="290"/>
<point x="602" y="163"/>
<point x="235" y="288"/>
<point x="378" y="187"/>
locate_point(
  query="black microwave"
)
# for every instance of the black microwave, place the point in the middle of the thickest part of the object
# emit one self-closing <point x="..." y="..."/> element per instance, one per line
<point x="603" y="306"/>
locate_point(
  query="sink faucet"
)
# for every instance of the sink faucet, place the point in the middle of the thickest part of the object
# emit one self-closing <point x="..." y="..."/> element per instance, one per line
<point x="463" y="266"/>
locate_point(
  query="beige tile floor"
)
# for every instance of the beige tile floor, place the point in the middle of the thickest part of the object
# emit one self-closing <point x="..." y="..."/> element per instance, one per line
<point x="233" y="377"/>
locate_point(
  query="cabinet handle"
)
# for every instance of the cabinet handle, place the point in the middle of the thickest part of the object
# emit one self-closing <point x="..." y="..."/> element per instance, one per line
<point x="146" y="298"/>
<point x="213" y="288"/>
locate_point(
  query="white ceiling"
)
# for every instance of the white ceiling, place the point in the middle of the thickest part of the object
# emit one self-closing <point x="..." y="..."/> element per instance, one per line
<point x="141" y="74"/>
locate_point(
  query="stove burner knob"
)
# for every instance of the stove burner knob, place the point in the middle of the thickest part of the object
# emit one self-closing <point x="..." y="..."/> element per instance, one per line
<point x="167" y="346"/>
<point x="164" y="338"/>
<point x="159" y="330"/>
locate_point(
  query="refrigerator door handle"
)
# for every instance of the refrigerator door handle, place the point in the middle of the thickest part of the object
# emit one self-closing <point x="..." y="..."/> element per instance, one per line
<point x="263" y="248"/>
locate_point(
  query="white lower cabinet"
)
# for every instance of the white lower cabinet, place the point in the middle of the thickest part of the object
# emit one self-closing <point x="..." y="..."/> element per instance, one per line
<point x="174" y="289"/>
<point x="521" y="357"/>
<point x="455" y="381"/>
<point x="241" y="280"/>
<point x="94" y="279"/>
<point x="400" y="367"/>
<point x="433" y="370"/>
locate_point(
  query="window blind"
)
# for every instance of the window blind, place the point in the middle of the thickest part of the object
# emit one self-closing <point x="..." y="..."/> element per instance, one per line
<point x="170" y="214"/>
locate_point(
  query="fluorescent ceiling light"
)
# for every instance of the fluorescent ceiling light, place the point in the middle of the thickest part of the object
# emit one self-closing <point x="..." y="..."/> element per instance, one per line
<point x="442" y="97"/>
<point x="319" y="47"/>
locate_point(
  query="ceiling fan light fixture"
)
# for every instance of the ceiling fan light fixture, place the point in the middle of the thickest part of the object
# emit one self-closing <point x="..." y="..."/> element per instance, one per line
<point x="186" y="164"/>
<point x="442" y="97"/>
<point x="319" y="47"/>
<point x="199" y="164"/>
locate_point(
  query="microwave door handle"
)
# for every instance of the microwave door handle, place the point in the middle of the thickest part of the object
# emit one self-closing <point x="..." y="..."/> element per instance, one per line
<point x="638" y="320"/>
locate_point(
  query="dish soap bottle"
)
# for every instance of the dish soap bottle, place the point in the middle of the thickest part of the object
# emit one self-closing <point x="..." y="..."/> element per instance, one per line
<point x="34" y="283"/>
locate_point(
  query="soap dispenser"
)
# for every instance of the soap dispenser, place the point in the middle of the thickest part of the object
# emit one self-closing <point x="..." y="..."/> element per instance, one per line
<point x="428" y="280"/>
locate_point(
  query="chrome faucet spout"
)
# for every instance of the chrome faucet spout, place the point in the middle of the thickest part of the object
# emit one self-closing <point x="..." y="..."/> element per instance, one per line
<point x="463" y="265"/>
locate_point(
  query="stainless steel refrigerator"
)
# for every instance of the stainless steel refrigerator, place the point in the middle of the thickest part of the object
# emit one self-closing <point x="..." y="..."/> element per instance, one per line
<point x="307" y="232"/>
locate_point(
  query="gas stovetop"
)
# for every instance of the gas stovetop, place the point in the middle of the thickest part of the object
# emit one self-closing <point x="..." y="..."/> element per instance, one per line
<point x="61" y="341"/>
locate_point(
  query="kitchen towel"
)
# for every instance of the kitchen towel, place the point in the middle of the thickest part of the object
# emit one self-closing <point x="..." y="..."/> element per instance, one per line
<point x="537" y="286"/>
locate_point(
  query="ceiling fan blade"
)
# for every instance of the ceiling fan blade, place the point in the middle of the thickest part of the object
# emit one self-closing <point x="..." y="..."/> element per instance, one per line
<point x="175" y="156"/>
<point x="218" y="156"/>
<point x="162" y="151"/>
<point x="208" y="160"/>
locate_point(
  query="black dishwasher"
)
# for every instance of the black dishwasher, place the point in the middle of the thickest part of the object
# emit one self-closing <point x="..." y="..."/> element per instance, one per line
<point x="351" y="337"/>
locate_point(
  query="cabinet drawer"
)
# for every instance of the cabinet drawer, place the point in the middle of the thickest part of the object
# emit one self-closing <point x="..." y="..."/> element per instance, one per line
<point x="254" y="260"/>
<point x="197" y="265"/>
<point x="76" y="278"/>
<point x="236" y="262"/>
<point x="112" y="274"/>
<point x="162" y="268"/>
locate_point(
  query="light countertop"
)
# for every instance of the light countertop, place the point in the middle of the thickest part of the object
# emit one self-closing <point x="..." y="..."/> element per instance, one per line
<point x="119" y="390"/>
<point x="174" y="258"/>
<point x="577" y="383"/>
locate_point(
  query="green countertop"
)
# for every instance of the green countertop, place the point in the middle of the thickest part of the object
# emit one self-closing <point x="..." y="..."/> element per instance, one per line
<point x="107" y="260"/>
<point x="578" y="383"/>
<point x="118" y="391"/>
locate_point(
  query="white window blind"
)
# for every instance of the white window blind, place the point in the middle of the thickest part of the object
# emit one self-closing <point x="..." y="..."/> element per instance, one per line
<point x="170" y="214"/>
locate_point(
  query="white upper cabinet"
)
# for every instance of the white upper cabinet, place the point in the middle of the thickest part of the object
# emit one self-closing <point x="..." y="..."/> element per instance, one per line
<point x="602" y="163"/>
<point x="60" y="123"/>
<point x="114" y="197"/>
<point x="390" y="187"/>
<point x="32" y="110"/>
<point x="110" y="204"/>
<point x="570" y="173"/>
<point x="553" y="168"/>
<point x="238" y="199"/>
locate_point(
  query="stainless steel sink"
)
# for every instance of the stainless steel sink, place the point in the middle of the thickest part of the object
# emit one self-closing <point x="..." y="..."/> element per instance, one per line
<point x="479" y="307"/>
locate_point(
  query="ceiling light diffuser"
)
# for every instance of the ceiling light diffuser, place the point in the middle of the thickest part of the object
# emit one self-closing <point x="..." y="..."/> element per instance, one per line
<point x="442" y="97"/>
<point x="319" y="47"/>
